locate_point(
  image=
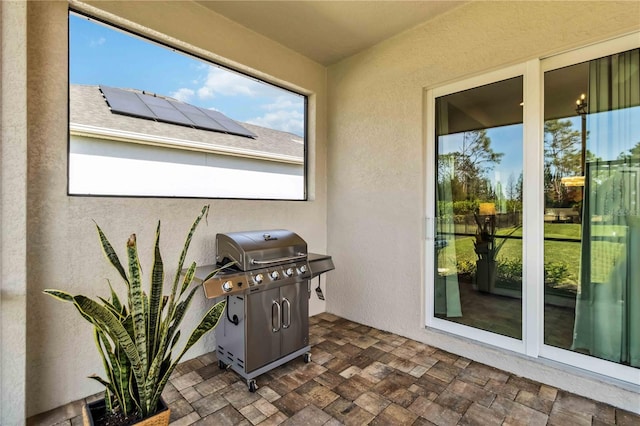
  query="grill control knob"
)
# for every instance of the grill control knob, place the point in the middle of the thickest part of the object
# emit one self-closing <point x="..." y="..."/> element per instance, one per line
<point x="275" y="275"/>
<point x="227" y="286"/>
<point x="288" y="272"/>
<point x="258" y="278"/>
<point x="303" y="268"/>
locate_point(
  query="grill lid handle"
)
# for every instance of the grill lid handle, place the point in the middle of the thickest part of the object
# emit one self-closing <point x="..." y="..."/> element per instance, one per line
<point x="278" y="260"/>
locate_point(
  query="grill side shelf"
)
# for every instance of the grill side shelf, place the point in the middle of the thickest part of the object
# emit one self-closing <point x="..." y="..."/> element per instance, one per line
<point x="319" y="264"/>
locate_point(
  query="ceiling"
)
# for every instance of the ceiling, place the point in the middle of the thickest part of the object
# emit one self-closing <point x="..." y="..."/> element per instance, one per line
<point x="329" y="31"/>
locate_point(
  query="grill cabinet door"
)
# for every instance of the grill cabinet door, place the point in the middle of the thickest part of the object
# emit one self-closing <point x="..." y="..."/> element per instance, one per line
<point x="263" y="344"/>
<point x="295" y="317"/>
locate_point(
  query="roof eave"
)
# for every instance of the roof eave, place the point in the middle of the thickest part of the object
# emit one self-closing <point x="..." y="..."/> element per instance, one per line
<point x="85" y="130"/>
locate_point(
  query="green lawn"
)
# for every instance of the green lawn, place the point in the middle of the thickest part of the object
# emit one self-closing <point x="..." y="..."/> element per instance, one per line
<point x="558" y="255"/>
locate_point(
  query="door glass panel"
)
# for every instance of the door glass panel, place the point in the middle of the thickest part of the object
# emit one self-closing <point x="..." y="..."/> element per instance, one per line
<point x="592" y="208"/>
<point x="478" y="245"/>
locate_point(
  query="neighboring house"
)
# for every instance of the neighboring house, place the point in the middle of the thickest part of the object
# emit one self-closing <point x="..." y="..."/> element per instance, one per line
<point x="156" y="158"/>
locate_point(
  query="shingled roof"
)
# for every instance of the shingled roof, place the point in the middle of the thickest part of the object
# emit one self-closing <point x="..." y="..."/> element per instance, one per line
<point x="89" y="111"/>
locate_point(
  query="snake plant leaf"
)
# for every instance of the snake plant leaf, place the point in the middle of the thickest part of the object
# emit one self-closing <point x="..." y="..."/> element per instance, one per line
<point x="108" y="405"/>
<point x="125" y="374"/>
<point x="58" y="294"/>
<point x="136" y="398"/>
<point x="117" y="312"/>
<point x="104" y="347"/>
<point x="117" y="368"/>
<point x="115" y="301"/>
<point x="188" y="277"/>
<point x="111" y="254"/>
<point x="100" y="380"/>
<point x="107" y="321"/>
<point x="155" y="299"/>
<point x="118" y="371"/>
<point x="175" y="340"/>
<point x="136" y="301"/>
<point x="183" y="255"/>
<point x="222" y="268"/>
<point x="180" y="311"/>
<point x="66" y="297"/>
<point x="208" y="323"/>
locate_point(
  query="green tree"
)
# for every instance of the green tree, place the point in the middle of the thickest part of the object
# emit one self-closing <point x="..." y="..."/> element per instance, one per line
<point x="633" y="153"/>
<point x="562" y="152"/>
<point x="472" y="162"/>
<point x="519" y="187"/>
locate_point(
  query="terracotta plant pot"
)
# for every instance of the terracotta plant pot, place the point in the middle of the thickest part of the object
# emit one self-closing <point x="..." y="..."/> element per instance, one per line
<point x="95" y="410"/>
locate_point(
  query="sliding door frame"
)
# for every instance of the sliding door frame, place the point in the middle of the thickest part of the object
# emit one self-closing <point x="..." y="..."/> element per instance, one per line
<point x="532" y="344"/>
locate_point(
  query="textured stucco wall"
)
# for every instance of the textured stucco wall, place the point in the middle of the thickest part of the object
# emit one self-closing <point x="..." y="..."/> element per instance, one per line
<point x="377" y="149"/>
<point x="63" y="251"/>
<point x="13" y="212"/>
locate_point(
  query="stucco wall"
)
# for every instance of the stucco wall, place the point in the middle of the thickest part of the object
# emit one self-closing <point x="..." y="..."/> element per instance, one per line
<point x="63" y="251"/>
<point x="377" y="149"/>
<point x="13" y="211"/>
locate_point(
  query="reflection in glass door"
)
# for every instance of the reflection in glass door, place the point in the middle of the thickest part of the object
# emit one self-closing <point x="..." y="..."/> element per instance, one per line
<point x="478" y="244"/>
<point x="592" y="208"/>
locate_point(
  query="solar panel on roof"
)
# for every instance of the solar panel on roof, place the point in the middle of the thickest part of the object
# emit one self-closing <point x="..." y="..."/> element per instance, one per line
<point x="198" y="117"/>
<point x="170" y="115"/>
<point x="126" y="102"/>
<point x="229" y="124"/>
<point x="152" y="107"/>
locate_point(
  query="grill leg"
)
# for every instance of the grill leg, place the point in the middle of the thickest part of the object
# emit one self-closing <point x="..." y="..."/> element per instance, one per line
<point x="252" y="385"/>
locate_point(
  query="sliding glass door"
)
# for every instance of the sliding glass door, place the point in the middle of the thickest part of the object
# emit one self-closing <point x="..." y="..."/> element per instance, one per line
<point x="478" y="253"/>
<point x="533" y="208"/>
<point x="592" y="208"/>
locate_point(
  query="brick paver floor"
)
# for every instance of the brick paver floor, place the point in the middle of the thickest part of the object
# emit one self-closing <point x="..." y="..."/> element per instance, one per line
<point x="360" y="375"/>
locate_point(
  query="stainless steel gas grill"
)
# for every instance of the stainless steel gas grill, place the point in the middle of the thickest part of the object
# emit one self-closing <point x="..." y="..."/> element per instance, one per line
<point x="267" y="289"/>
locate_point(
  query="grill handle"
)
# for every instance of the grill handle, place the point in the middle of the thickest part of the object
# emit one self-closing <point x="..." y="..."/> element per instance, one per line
<point x="277" y="316"/>
<point x="278" y="260"/>
<point x="288" y="311"/>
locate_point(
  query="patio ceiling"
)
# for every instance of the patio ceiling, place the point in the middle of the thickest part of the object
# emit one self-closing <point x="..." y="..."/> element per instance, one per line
<point x="328" y="31"/>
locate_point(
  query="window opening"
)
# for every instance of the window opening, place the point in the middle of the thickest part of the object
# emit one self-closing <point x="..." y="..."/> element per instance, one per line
<point x="149" y="120"/>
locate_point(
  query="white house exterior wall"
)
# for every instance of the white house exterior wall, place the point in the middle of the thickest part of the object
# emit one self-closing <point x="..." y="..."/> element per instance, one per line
<point x="164" y="171"/>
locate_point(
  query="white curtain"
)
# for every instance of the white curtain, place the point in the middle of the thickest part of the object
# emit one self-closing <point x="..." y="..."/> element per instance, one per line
<point x="607" y="322"/>
<point x="447" y="290"/>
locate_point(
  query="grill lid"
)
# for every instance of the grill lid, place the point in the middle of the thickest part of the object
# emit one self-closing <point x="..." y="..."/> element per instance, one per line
<point x="258" y="249"/>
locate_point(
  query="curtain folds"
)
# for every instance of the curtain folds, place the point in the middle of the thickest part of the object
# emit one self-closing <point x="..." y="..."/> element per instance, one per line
<point x="447" y="290"/>
<point x="607" y="322"/>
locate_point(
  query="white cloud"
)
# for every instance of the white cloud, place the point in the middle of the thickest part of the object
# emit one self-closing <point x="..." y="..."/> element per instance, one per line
<point x="285" y="120"/>
<point x="220" y="82"/>
<point x="98" y="42"/>
<point x="285" y="113"/>
<point x="283" y="102"/>
<point x="183" y="94"/>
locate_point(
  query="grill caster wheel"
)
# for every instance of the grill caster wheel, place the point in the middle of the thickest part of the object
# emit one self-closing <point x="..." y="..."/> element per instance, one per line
<point x="252" y="386"/>
<point x="307" y="357"/>
<point x="221" y="365"/>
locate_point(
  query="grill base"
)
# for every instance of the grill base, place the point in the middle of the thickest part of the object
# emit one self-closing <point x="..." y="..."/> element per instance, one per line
<point x="228" y="360"/>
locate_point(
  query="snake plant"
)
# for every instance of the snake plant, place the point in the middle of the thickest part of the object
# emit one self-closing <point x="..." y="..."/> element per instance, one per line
<point x="136" y="337"/>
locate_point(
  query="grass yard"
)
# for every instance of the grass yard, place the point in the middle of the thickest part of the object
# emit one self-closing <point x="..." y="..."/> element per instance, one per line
<point x="561" y="258"/>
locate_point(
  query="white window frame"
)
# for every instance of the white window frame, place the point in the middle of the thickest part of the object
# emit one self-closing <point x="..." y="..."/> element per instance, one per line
<point x="532" y="343"/>
<point x="505" y="342"/>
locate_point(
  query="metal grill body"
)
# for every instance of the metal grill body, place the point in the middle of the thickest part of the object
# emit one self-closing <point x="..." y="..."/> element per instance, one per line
<point x="267" y="289"/>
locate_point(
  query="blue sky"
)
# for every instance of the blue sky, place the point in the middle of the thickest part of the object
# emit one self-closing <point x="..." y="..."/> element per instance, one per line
<point x="100" y="55"/>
